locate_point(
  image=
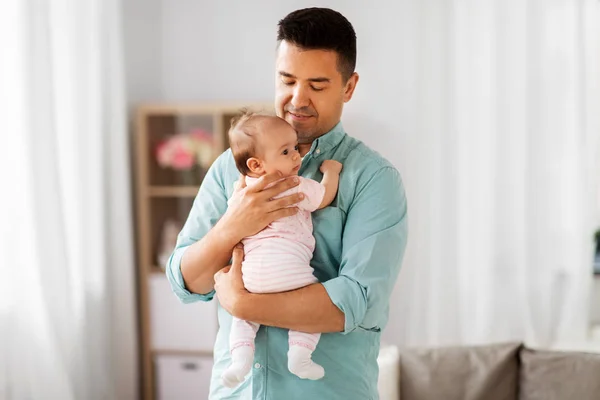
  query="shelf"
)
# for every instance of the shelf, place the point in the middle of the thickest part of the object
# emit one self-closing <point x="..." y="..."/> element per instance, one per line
<point x="173" y="191"/>
<point x="164" y="198"/>
<point x="203" y="109"/>
<point x="184" y="353"/>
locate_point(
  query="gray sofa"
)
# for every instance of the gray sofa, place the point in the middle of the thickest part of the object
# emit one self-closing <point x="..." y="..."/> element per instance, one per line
<point x="498" y="372"/>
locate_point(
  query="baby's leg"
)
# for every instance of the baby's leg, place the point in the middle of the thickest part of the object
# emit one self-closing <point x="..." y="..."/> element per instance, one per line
<point x="300" y="363"/>
<point x="241" y="346"/>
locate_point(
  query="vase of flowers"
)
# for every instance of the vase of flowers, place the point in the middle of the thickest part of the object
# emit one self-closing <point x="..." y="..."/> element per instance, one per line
<point x="187" y="153"/>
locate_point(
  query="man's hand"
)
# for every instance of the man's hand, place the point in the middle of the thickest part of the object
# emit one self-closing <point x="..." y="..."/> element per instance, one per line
<point x="331" y="166"/>
<point x="252" y="208"/>
<point x="229" y="284"/>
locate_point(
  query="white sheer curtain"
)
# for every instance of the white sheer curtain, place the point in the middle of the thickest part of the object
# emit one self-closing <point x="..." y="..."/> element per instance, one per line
<point x="503" y="172"/>
<point x="66" y="302"/>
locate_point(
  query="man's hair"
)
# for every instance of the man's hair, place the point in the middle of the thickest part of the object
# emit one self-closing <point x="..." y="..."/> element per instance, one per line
<point x="321" y="29"/>
<point x="242" y="137"/>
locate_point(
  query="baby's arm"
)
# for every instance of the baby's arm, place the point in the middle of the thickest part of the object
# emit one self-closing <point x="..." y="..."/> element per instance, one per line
<point x="331" y="178"/>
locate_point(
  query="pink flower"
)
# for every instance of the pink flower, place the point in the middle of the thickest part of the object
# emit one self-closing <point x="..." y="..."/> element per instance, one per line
<point x="182" y="159"/>
<point x="163" y="154"/>
<point x="184" y="150"/>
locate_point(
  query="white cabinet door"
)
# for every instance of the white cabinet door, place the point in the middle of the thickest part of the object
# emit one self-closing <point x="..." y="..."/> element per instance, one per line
<point x="182" y="378"/>
<point x="178" y="326"/>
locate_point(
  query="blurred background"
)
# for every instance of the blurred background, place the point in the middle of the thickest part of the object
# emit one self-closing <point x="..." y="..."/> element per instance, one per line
<point x="489" y="109"/>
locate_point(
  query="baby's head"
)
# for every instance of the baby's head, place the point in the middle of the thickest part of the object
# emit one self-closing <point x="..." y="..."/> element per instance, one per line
<point x="262" y="144"/>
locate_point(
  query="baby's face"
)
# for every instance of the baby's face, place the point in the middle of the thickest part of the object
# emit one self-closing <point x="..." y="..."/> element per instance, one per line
<point x="279" y="148"/>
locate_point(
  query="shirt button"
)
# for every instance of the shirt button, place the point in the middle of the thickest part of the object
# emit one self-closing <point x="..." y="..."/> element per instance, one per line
<point x="257" y="365"/>
<point x="318" y="151"/>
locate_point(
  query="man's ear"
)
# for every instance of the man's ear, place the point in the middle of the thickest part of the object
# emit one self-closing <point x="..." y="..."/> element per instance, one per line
<point x="350" y="86"/>
<point x="255" y="165"/>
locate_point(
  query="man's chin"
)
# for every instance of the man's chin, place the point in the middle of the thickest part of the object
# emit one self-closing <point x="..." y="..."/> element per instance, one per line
<point x="305" y="139"/>
<point x="304" y="136"/>
<point x="299" y="125"/>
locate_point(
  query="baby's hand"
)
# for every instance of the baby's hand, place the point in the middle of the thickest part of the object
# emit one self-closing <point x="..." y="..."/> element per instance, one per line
<point x="331" y="166"/>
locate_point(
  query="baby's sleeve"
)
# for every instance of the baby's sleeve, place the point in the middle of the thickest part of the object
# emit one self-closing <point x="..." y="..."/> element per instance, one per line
<point x="236" y="185"/>
<point x="313" y="194"/>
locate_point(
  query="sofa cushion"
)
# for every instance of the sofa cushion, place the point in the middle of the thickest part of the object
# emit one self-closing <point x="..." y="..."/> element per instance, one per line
<point x="460" y="373"/>
<point x="556" y="375"/>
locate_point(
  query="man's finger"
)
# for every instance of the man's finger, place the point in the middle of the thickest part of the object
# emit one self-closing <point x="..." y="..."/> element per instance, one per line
<point x="285" y="202"/>
<point x="265" y="181"/>
<point x="242" y="181"/>
<point x="236" y="259"/>
<point x="220" y="273"/>
<point x="280" y="187"/>
<point x="282" y="213"/>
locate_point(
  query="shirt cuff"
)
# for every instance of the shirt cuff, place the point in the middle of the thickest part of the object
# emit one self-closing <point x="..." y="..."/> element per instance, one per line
<point x="350" y="297"/>
<point x="173" y="271"/>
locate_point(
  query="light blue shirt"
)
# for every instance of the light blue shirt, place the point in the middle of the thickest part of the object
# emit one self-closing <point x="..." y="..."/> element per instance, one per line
<point x="360" y="242"/>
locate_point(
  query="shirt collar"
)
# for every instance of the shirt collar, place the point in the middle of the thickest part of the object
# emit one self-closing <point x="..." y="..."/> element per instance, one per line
<point x="328" y="141"/>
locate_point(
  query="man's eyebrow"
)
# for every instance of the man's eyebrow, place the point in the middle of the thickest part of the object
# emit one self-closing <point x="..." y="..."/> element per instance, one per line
<point x="317" y="79"/>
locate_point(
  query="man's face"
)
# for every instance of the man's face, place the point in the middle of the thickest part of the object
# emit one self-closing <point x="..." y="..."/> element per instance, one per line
<point x="309" y="90"/>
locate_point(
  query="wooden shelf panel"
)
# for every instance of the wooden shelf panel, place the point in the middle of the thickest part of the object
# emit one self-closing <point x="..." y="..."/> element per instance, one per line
<point x="203" y="109"/>
<point x="173" y="191"/>
<point x="182" y="353"/>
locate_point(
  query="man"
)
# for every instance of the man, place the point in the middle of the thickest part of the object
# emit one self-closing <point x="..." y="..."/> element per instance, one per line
<point x="360" y="238"/>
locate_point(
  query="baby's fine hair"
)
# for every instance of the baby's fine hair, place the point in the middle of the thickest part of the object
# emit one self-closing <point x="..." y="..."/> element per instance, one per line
<point x="242" y="137"/>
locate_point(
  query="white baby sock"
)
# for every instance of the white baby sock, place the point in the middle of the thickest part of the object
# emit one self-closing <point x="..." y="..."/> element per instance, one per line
<point x="241" y="363"/>
<point x="301" y="364"/>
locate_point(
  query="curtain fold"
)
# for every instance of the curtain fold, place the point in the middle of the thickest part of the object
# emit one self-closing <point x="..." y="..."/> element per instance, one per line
<point x="67" y="303"/>
<point x="506" y="164"/>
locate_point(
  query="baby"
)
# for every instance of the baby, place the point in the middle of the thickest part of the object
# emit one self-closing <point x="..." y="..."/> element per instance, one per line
<point x="277" y="259"/>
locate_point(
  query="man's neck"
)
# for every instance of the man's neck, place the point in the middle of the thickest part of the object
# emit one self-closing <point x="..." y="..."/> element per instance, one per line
<point x="303" y="148"/>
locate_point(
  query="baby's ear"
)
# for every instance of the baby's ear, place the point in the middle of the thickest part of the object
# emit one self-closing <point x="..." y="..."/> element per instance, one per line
<point x="255" y="165"/>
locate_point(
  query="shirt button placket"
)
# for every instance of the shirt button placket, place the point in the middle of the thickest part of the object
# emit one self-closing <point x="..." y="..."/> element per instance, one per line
<point x="259" y="372"/>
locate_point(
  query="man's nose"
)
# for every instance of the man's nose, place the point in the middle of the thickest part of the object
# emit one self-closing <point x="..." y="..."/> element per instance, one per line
<point x="299" y="98"/>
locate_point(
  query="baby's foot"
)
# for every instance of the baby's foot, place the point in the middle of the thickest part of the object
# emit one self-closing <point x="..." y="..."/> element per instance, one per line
<point x="301" y="365"/>
<point x="241" y="363"/>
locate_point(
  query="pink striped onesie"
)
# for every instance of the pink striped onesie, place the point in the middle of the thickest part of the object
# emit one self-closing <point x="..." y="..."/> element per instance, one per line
<point x="277" y="259"/>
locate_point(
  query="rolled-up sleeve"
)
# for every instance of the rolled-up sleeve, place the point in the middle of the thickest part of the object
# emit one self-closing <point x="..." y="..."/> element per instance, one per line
<point x="209" y="206"/>
<point x="373" y="245"/>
